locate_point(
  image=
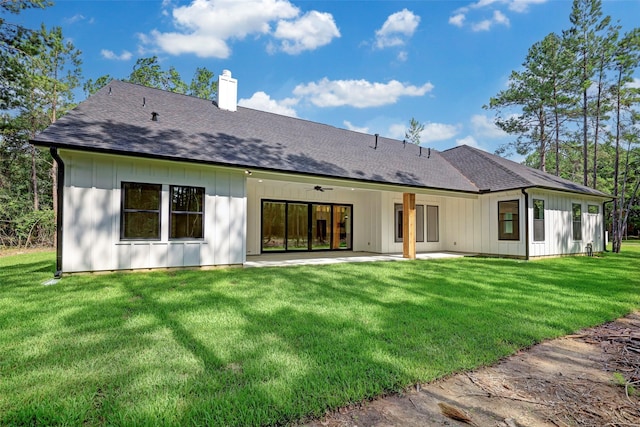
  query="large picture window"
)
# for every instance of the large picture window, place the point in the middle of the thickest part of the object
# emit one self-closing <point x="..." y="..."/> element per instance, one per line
<point x="140" y="211"/>
<point x="538" y="220"/>
<point x="508" y="220"/>
<point x="186" y="212"/>
<point x="577" y="221"/>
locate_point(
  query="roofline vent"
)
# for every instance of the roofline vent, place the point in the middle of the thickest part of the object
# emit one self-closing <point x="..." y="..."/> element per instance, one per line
<point x="375" y="147"/>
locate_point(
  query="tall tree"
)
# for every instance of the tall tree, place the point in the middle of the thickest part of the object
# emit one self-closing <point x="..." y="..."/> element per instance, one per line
<point x="537" y="101"/>
<point x="413" y="134"/>
<point x="14" y="50"/>
<point x="627" y="60"/>
<point x="588" y="25"/>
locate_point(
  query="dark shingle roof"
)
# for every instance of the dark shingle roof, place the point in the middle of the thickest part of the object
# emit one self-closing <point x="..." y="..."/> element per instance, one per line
<point x="494" y="173"/>
<point x="117" y="119"/>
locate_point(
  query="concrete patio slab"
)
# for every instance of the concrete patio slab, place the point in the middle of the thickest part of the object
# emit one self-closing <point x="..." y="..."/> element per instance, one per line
<point x="315" y="258"/>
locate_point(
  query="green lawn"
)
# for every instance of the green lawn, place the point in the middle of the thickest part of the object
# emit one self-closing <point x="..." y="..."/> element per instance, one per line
<point x="275" y="345"/>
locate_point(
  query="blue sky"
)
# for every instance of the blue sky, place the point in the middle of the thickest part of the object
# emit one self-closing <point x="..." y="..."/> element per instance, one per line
<point x="368" y="66"/>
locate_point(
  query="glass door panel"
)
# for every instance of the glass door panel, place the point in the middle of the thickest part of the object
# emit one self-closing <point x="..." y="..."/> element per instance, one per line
<point x="297" y="227"/>
<point x="320" y="226"/>
<point x="341" y="238"/>
<point x="273" y="226"/>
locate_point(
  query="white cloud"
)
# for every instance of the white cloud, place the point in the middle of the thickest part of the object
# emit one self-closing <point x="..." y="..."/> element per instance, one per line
<point x="483" y="126"/>
<point x="109" y="54"/>
<point x="75" y="18"/>
<point x="350" y="126"/>
<point x="262" y="101"/>
<point x="397" y="29"/>
<point x="402" y="56"/>
<point x="457" y="19"/>
<point x="523" y="5"/>
<point x="312" y="30"/>
<point x="206" y="27"/>
<point x="438" y="132"/>
<point x="397" y="131"/>
<point x="485" y="25"/>
<point x="459" y="16"/>
<point x="635" y="84"/>
<point x="357" y="93"/>
<point x="468" y="140"/>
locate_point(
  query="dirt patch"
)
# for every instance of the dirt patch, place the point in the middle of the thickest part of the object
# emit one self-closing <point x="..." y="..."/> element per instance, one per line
<point x="591" y="378"/>
<point x="9" y="251"/>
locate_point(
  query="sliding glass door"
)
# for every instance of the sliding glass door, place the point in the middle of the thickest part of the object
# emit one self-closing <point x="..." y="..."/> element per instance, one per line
<point x="303" y="226"/>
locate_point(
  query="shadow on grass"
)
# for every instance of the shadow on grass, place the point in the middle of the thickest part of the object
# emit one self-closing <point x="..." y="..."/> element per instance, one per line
<point x="275" y="345"/>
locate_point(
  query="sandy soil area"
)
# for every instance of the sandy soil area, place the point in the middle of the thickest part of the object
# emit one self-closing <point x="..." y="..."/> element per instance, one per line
<point x="588" y="379"/>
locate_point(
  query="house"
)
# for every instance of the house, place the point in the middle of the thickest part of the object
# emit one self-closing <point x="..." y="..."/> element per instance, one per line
<point x="153" y="179"/>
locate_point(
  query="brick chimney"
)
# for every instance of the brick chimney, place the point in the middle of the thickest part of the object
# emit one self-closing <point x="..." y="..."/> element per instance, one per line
<point x="227" y="91"/>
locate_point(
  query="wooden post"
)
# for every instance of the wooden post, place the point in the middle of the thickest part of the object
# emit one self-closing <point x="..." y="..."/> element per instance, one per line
<point x="409" y="225"/>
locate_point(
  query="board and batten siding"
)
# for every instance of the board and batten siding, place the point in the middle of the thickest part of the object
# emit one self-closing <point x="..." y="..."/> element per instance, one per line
<point x="558" y="224"/>
<point x="92" y="204"/>
<point x="471" y="225"/>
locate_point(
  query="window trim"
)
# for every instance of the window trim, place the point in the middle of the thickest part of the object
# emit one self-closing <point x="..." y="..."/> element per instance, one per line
<point x="124" y="211"/>
<point x="515" y="222"/>
<point x="597" y="208"/>
<point x="539" y="220"/>
<point x="201" y="213"/>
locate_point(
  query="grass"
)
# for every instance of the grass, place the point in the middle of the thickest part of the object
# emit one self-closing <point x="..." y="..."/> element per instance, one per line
<point x="276" y="345"/>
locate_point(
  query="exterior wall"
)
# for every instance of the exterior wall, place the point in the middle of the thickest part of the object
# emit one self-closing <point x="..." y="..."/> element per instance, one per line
<point x="471" y="225"/>
<point x="91" y="223"/>
<point x="558" y="224"/>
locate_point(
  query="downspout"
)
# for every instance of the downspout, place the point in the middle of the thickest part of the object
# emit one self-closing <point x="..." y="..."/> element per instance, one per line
<point x="604" y="229"/>
<point x="54" y="153"/>
<point x="526" y="221"/>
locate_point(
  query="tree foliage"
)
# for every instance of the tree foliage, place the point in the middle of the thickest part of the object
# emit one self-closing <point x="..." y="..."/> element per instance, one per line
<point x="573" y="97"/>
<point x="149" y="72"/>
<point x="49" y="70"/>
<point x="413" y="134"/>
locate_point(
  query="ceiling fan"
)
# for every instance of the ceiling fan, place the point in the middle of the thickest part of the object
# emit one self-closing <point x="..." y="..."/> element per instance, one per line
<point x="321" y="189"/>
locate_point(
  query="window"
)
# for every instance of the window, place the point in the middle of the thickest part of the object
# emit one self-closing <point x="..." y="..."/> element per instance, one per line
<point x="186" y="211"/>
<point x="399" y="222"/>
<point x="593" y="209"/>
<point x="433" y="234"/>
<point x="419" y="223"/>
<point x="538" y="220"/>
<point x="140" y="211"/>
<point x="577" y="221"/>
<point x="508" y="222"/>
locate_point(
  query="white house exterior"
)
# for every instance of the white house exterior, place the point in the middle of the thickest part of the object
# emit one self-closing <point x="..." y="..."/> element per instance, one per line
<point x="151" y="179"/>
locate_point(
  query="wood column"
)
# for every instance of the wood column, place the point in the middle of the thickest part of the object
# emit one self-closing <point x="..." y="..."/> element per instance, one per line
<point x="409" y="225"/>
